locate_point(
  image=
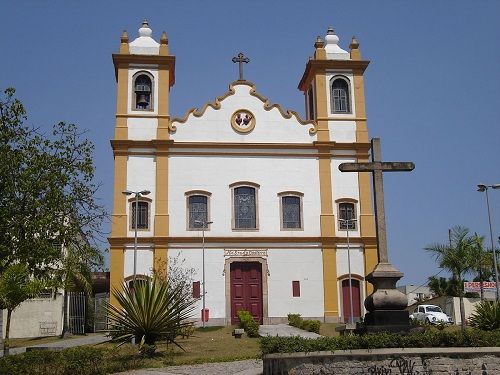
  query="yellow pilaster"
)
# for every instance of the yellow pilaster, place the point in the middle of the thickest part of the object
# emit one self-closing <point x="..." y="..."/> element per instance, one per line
<point x="359" y="100"/>
<point x="119" y="217"/>
<point x="330" y="281"/>
<point x="161" y="209"/>
<point x="121" y="131"/>
<point x="163" y="102"/>
<point x="371" y="260"/>
<point x="160" y="260"/>
<point x="116" y="264"/>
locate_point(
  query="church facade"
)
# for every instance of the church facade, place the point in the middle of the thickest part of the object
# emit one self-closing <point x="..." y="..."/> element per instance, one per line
<point x="244" y="192"/>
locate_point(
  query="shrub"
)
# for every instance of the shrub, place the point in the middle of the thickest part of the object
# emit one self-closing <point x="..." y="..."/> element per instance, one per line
<point x="153" y="310"/>
<point x="487" y="316"/>
<point x="248" y="323"/>
<point x="295" y="320"/>
<point x="430" y="338"/>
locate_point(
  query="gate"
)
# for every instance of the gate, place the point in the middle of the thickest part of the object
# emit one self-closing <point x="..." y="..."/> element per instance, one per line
<point x="76" y="312"/>
<point x="101" y="301"/>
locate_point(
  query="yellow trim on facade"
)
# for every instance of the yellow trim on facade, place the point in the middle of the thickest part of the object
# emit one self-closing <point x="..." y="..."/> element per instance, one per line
<point x="371" y="260"/>
<point x="121" y="129"/>
<point x="119" y="216"/>
<point x="359" y="100"/>
<point x="161" y="260"/>
<point x="116" y="265"/>
<point x="330" y="282"/>
<point x="163" y="102"/>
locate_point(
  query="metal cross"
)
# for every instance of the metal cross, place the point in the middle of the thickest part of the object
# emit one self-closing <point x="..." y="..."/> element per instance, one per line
<point x="240" y="59"/>
<point x="377" y="167"/>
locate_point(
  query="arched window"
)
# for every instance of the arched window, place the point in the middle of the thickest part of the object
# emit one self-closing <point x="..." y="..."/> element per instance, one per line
<point x="244" y="206"/>
<point x="197" y="208"/>
<point x="340" y="96"/>
<point x="291" y="210"/>
<point x="347" y="215"/>
<point x="143" y="91"/>
<point x="310" y="103"/>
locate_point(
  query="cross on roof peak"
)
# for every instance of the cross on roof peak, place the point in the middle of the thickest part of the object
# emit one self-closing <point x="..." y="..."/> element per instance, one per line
<point x="240" y="59"/>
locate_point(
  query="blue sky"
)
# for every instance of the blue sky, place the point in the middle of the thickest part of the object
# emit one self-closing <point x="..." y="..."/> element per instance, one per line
<point x="432" y="87"/>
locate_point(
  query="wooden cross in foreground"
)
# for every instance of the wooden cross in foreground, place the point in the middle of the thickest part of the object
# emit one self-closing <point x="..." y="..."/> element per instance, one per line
<point x="376" y="167"/>
<point x="240" y="59"/>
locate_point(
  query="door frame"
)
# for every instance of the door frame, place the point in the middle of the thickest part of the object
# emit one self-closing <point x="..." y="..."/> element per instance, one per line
<point x="265" y="274"/>
<point x="362" y="297"/>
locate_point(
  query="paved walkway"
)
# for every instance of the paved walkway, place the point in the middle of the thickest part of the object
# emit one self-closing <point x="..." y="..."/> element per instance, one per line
<point x="284" y="330"/>
<point x="69" y="343"/>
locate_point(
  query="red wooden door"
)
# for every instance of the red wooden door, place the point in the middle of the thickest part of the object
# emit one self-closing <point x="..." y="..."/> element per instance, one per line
<point x="246" y="290"/>
<point x="356" y="300"/>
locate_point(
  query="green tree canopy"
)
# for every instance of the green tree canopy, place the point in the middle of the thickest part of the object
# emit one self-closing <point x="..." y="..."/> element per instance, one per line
<point x="47" y="193"/>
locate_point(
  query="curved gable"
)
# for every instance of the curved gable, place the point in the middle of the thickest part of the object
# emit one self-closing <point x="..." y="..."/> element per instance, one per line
<point x="242" y="115"/>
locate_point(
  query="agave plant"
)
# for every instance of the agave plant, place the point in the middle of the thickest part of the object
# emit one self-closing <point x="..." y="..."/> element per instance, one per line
<point x="150" y="312"/>
<point x="487" y="316"/>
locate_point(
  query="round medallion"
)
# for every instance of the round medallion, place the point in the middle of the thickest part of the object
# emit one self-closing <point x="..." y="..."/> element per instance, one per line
<point x="243" y="121"/>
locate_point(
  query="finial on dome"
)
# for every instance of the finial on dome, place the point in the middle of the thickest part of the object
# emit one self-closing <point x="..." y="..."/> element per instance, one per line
<point x="124" y="42"/>
<point x="319" y="42"/>
<point x="164" y="44"/>
<point x="330" y="31"/>
<point x="354" y="47"/>
<point x="145" y="30"/>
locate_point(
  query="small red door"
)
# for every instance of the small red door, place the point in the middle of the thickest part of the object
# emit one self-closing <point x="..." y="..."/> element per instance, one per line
<point x="246" y="290"/>
<point x="356" y="299"/>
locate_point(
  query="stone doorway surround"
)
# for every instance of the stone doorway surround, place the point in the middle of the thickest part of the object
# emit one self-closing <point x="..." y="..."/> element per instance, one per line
<point x="237" y="258"/>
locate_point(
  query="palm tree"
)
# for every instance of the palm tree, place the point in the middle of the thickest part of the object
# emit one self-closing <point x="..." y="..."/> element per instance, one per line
<point x="482" y="264"/>
<point x="455" y="257"/>
<point x="438" y="286"/>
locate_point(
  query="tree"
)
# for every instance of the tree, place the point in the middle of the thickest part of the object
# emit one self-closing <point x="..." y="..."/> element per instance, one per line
<point x="47" y="192"/>
<point x="482" y="262"/>
<point x="16" y="286"/>
<point x="456" y="257"/>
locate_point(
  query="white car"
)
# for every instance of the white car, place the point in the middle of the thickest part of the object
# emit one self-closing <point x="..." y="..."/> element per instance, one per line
<point x="431" y="314"/>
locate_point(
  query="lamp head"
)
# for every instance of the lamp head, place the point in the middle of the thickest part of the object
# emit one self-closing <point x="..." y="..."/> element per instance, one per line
<point x="481" y="187"/>
<point x="495" y="186"/>
<point x="144" y="192"/>
<point x="127" y="192"/>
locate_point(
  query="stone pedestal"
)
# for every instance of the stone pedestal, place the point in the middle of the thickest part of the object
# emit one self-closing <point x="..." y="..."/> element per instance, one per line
<point x="386" y="305"/>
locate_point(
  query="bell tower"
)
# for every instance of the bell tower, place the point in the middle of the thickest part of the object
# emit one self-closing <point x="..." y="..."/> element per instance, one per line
<point x="334" y="98"/>
<point x="145" y="72"/>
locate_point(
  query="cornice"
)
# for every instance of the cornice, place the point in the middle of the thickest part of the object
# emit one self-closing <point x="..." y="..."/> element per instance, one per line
<point x="162" y="61"/>
<point x="287" y="114"/>
<point x="358" y="66"/>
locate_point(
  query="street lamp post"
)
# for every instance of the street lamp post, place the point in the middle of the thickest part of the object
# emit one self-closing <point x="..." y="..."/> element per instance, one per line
<point x="204" y="224"/>
<point x="136" y="218"/>
<point x="484" y="188"/>
<point x="348" y="222"/>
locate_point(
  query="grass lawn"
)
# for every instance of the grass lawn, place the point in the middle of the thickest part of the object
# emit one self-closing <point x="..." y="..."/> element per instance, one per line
<point x="211" y="344"/>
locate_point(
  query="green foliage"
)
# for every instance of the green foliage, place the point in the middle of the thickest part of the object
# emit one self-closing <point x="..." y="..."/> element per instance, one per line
<point x="74" y="361"/>
<point x="152" y="311"/>
<point x="47" y="193"/>
<point x="429" y="338"/>
<point x="487" y="316"/>
<point x="248" y="323"/>
<point x="295" y="320"/>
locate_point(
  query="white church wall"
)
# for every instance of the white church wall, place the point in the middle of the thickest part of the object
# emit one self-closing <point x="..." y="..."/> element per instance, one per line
<point x="357" y="260"/>
<point x="215" y="173"/>
<point x="215" y="125"/>
<point x="286" y="266"/>
<point x="142" y="129"/>
<point x="154" y="72"/>
<point x="215" y="299"/>
<point x="342" y="131"/>
<point x="141" y="175"/>
<point x="344" y="185"/>
<point x="144" y="263"/>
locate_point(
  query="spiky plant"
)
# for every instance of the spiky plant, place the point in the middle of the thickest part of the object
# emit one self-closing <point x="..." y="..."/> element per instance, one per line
<point x="487" y="316"/>
<point x="150" y="312"/>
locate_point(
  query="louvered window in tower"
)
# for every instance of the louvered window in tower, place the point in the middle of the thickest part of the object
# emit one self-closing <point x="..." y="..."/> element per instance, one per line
<point x="291" y="212"/>
<point x="143" y="88"/>
<point x="198" y="211"/>
<point x="245" y="208"/>
<point x="340" y="96"/>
